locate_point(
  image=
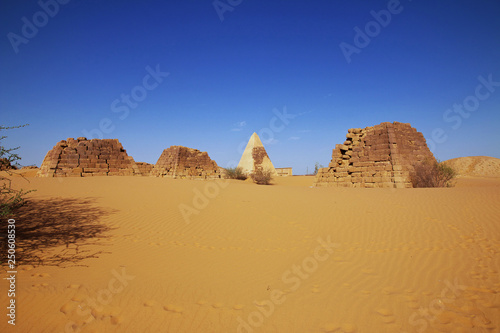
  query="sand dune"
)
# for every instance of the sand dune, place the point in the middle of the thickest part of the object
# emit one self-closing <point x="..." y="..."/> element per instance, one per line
<point x="231" y="256"/>
<point x="481" y="166"/>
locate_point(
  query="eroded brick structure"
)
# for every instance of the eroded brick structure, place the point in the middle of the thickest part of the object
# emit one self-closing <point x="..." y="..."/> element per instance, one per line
<point x="378" y="156"/>
<point x="183" y="162"/>
<point x="81" y="158"/>
<point x="145" y="168"/>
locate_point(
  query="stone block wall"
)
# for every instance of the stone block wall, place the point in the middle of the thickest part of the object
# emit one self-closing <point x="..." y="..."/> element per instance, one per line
<point x="378" y="156"/>
<point x="145" y="168"/>
<point x="183" y="162"/>
<point x="83" y="158"/>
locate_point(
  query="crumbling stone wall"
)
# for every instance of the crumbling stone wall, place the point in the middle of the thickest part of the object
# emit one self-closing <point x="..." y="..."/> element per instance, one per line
<point x="378" y="156"/>
<point x="183" y="162"/>
<point x="145" y="168"/>
<point x="82" y="158"/>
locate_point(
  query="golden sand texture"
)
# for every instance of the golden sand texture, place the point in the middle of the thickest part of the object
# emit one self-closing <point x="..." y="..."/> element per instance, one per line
<point x="147" y="254"/>
<point x="482" y="166"/>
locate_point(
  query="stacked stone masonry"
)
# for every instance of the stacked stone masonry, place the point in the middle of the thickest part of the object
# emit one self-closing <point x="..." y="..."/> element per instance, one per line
<point x="183" y="162"/>
<point x="82" y="158"/>
<point x="145" y="168"/>
<point x="378" y="156"/>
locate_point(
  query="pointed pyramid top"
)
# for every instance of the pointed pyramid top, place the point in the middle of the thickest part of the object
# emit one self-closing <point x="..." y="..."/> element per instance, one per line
<point x="255" y="141"/>
<point x="255" y="156"/>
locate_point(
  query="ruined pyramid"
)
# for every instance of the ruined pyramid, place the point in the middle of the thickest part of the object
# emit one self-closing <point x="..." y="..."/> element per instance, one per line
<point x="81" y="158"/>
<point x="255" y="157"/>
<point x="183" y="162"/>
<point x="379" y="156"/>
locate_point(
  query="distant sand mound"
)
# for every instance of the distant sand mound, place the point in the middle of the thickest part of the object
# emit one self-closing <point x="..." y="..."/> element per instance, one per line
<point x="483" y="166"/>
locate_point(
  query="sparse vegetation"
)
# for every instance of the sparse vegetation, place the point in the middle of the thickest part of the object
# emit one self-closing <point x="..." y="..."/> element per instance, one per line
<point x="262" y="177"/>
<point x="317" y="166"/>
<point x="235" y="173"/>
<point x="432" y="174"/>
<point x="10" y="198"/>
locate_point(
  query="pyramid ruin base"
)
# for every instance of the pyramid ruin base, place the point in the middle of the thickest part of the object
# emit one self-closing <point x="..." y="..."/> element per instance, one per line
<point x="381" y="156"/>
<point x="87" y="158"/>
<point x="186" y="163"/>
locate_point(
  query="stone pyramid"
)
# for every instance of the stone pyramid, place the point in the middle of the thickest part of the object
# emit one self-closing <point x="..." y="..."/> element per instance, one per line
<point x="378" y="156"/>
<point x="183" y="162"/>
<point x="81" y="158"/>
<point x="255" y="157"/>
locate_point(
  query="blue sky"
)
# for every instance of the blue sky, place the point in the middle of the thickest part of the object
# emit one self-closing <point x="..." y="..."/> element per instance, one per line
<point x="273" y="67"/>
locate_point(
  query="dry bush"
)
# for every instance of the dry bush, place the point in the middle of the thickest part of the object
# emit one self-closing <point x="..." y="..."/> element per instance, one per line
<point x="235" y="173"/>
<point x="432" y="174"/>
<point x="262" y="177"/>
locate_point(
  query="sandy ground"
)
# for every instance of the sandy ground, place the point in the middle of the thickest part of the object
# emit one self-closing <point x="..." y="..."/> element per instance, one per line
<point x="141" y="254"/>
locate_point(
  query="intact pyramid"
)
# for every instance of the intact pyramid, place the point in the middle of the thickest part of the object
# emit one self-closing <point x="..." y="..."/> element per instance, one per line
<point x="255" y="157"/>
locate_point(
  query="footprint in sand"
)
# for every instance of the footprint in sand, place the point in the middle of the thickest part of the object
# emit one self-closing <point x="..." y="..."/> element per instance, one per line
<point x="116" y="320"/>
<point x="149" y="303"/>
<point x="44" y="275"/>
<point x="386" y="315"/>
<point x="389" y="291"/>
<point x="68" y="307"/>
<point x="173" y="308"/>
<point x="348" y="328"/>
<point x="330" y="327"/>
<point x="384" y="312"/>
<point x="201" y="302"/>
<point x="217" y="305"/>
<point x="27" y="268"/>
<point x="238" y="306"/>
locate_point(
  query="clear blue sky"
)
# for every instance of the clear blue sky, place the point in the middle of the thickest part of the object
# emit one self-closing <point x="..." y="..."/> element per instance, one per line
<point x="225" y="77"/>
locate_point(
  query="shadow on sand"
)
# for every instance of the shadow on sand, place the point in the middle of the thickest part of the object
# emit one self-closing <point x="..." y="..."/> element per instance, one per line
<point x="57" y="231"/>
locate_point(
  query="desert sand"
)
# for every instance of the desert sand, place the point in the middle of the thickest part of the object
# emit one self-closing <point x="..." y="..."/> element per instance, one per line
<point x="147" y="254"/>
<point x="479" y="166"/>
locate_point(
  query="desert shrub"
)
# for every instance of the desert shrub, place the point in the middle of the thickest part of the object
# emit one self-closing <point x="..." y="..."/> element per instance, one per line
<point x="317" y="166"/>
<point x="10" y="198"/>
<point x="235" y="173"/>
<point x="432" y="174"/>
<point x="262" y="177"/>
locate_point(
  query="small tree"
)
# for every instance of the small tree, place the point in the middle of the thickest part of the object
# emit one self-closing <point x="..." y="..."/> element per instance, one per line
<point x="235" y="173"/>
<point x="317" y="166"/>
<point x="432" y="174"/>
<point x="262" y="176"/>
<point x="9" y="198"/>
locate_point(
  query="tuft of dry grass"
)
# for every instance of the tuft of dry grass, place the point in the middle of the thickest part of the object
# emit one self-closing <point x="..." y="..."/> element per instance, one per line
<point x="432" y="174"/>
<point x="262" y="177"/>
<point x="235" y="173"/>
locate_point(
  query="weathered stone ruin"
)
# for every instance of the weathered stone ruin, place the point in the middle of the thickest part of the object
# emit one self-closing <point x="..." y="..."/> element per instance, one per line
<point x="145" y="168"/>
<point x="183" y="162"/>
<point x="284" y="171"/>
<point x="255" y="157"/>
<point x="81" y="158"/>
<point x="378" y="156"/>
